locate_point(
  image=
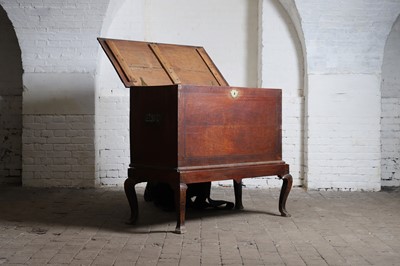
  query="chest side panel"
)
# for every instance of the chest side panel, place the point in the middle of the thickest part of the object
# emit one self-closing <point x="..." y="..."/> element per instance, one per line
<point x="226" y="125"/>
<point x="153" y="126"/>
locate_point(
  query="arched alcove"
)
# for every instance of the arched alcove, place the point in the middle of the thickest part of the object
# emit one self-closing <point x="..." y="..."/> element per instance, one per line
<point x="390" y="118"/>
<point x="282" y="66"/>
<point x="294" y="23"/>
<point x="10" y="103"/>
<point x="227" y="29"/>
<point x="124" y="20"/>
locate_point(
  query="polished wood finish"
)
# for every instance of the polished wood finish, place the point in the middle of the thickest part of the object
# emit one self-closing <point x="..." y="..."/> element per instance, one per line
<point x="188" y="126"/>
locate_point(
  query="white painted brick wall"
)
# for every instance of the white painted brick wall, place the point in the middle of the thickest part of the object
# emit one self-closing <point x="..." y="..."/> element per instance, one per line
<point x="281" y="66"/>
<point x="59" y="56"/>
<point x="57" y="36"/>
<point x="58" y="150"/>
<point x="112" y="127"/>
<point x="343" y="144"/>
<point x="346" y="36"/>
<point x="124" y="20"/>
<point x="344" y="43"/>
<point x="292" y="137"/>
<point x="344" y="48"/>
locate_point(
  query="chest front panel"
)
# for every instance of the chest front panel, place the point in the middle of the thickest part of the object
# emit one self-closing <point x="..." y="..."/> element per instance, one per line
<point x="220" y="127"/>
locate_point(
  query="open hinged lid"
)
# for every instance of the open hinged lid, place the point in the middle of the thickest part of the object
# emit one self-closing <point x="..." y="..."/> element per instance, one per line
<point x="152" y="64"/>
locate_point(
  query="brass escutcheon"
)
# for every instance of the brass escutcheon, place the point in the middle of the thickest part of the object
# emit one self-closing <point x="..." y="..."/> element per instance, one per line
<point x="234" y="93"/>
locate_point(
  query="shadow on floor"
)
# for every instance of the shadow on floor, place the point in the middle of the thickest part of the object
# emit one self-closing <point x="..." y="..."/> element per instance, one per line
<point x="40" y="210"/>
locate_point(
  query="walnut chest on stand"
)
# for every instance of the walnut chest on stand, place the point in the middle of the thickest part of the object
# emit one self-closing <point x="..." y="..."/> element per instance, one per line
<point x="187" y="125"/>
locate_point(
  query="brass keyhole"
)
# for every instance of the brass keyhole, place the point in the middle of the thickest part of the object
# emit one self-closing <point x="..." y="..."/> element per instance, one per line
<point x="234" y="93"/>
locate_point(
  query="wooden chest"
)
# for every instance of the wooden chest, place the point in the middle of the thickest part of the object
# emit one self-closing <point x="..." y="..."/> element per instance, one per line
<point x="187" y="125"/>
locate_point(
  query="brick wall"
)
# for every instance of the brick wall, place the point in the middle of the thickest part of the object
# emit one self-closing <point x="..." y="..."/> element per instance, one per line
<point x="390" y="122"/>
<point x="57" y="36"/>
<point x="112" y="137"/>
<point x="58" y="150"/>
<point x="10" y="103"/>
<point x="343" y="136"/>
<point x="124" y="20"/>
<point x="344" y="44"/>
<point x="59" y="56"/>
<point x="346" y="37"/>
<point x="331" y="115"/>
<point x="281" y="56"/>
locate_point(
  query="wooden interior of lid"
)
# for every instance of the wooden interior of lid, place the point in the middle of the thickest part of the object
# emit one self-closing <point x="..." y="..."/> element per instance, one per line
<point x="152" y="64"/>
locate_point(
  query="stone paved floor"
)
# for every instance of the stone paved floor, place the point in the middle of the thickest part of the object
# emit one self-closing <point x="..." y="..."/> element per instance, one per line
<point x="86" y="227"/>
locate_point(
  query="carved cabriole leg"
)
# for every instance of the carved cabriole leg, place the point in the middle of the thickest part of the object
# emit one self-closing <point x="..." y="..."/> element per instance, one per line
<point x="286" y="187"/>
<point x="180" y="205"/>
<point x="237" y="185"/>
<point x="130" y="193"/>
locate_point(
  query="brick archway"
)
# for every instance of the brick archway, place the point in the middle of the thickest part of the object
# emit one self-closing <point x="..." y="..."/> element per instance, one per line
<point x="10" y="103"/>
<point x="390" y="121"/>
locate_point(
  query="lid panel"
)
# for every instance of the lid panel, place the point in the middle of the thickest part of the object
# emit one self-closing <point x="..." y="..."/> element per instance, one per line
<point x="188" y="65"/>
<point x="153" y="64"/>
<point x="143" y="67"/>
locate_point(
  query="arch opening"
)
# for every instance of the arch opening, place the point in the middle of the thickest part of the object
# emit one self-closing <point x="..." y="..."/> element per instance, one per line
<point x="235" y="54"/>
<point x="10" y="103"/>
<point x="390" y="104"/>
<point x="282" y="65"/>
